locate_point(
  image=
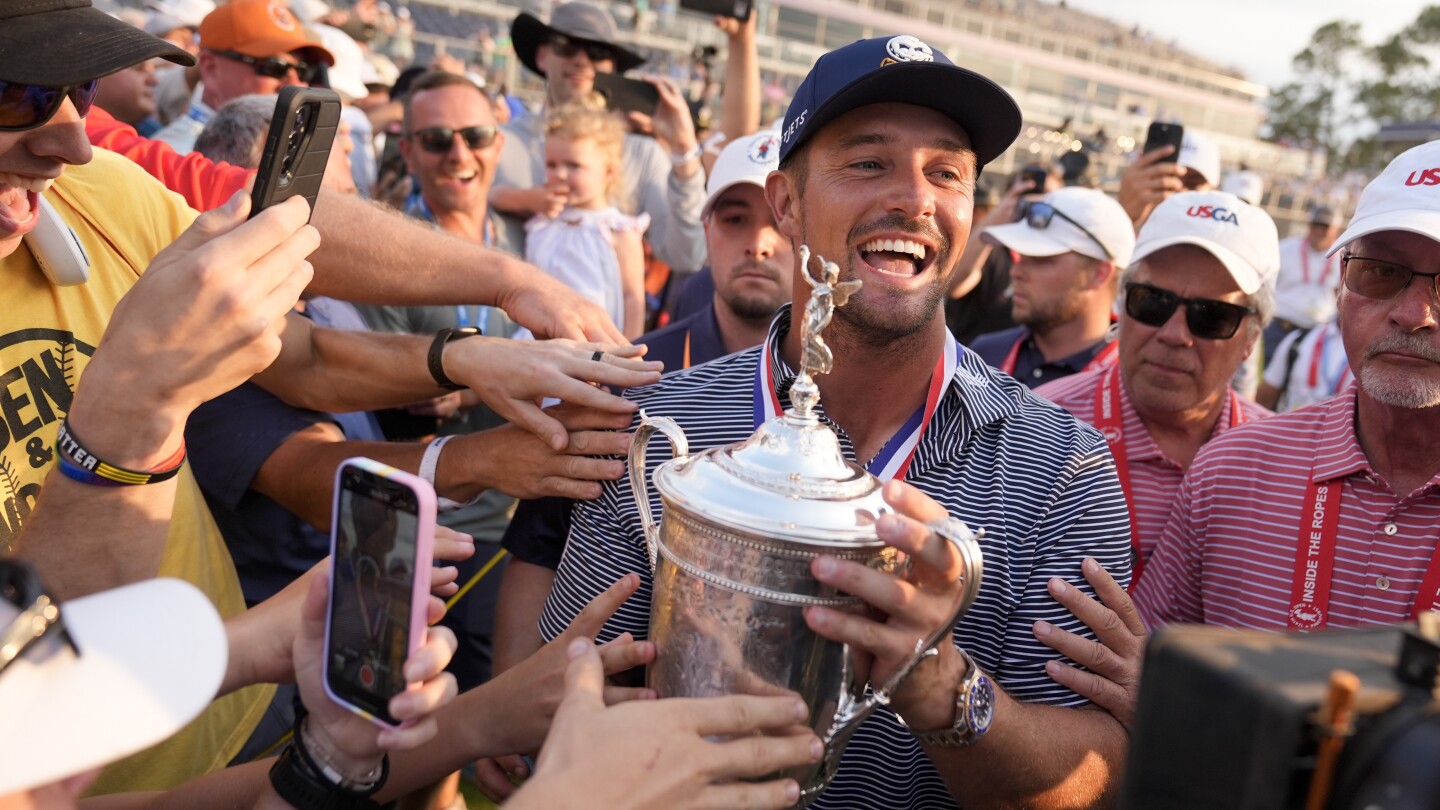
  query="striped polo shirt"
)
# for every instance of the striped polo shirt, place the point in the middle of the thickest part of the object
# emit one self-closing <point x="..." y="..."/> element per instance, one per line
<point x="1041" y="484"/>
<point x="1153" y="476"/>
<point x="1227" y="557"/>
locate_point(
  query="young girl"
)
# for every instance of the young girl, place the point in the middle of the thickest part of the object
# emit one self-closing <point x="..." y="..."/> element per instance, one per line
<point x="589" y="244"/>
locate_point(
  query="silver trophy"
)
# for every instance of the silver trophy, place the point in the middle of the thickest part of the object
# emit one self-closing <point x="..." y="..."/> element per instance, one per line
<point x="731" y="555"/>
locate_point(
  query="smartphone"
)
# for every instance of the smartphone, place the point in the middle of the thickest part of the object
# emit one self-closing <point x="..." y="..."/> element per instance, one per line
<point x="297" y="147"/>
<point x="739" y="9"/>
<point x="382" y="529"/>
<point x="627" y="95"/>
<point x="1163" y="134"/>
<point x="1038" y="178"/>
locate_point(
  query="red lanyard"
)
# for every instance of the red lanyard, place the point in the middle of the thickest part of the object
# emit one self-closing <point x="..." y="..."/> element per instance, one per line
<point x="1316" y="353"/>
<point x="1305" y="264"/>
<point x="1315" y="561"/>
<point x="1104" y="358"/>
<point x="1111" y="423"/>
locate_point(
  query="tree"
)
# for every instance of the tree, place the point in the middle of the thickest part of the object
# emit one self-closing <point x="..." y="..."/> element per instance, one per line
<point x="1308" y="109"/>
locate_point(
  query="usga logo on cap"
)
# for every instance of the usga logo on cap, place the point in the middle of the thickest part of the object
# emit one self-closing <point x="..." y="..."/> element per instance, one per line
<point x="1211" y="212"/>
<point x="906" y="48"/>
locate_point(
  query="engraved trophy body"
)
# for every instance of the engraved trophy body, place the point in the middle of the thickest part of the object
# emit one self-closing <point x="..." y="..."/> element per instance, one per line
<point x="731" y="555"/>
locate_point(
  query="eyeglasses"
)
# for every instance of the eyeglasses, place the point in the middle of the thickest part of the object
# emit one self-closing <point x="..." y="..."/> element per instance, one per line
<point x="438" y="140"/>
<point x="565" y="47"/>
<point x="27" y="106"/>
<point x="273" y="67"/>
<point x="1039" y="215"/>
<point x="39" y="613"/>
<point x="1204" y="317"/>
<point x="1373" y="278"/>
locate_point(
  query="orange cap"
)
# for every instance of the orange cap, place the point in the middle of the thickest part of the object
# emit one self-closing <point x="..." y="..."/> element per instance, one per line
<point x="258" y="28"/>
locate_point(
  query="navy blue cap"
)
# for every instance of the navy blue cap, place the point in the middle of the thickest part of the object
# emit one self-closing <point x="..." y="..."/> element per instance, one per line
<point x="901" y="69"/>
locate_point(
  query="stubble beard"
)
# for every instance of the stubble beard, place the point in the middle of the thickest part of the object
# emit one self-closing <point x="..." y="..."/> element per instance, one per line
<point x="1395" y="387"/>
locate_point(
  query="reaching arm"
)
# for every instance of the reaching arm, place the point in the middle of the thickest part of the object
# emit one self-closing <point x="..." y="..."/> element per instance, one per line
<point x="740" y="107"/>
<point x="631" y="256"/>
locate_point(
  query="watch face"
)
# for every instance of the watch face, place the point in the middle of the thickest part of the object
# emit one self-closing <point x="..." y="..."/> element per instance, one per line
<point x="980" y="708"/>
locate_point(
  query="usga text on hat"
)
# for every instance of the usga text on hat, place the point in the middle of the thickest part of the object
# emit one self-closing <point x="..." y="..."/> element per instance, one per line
<point x="1211" y="212"/>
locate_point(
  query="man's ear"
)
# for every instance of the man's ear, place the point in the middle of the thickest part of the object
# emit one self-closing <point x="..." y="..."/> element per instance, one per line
<point x="1104" y="275"/>
<point x="784" y="204"/>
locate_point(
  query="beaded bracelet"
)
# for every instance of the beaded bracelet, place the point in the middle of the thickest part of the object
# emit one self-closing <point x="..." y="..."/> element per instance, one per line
<point x="79" y="464"/>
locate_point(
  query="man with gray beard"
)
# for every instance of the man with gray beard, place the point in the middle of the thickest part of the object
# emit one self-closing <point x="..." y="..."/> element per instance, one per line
<point x="1326" y="516"/>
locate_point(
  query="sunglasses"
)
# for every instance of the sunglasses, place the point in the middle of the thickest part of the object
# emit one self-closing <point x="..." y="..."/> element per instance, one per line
<point x="1039" y="215"/>
<point x="27" y="106"/>
<point x="273" y="67"/>
<point x="1373" y="278"/>
<point x="39" y="612"/>
<point x="438" y="140"/>
<point x="1204" y="317"/>
<point x="565" y="47"/>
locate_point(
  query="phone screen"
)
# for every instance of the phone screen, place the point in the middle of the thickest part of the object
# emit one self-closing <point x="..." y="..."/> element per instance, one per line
<point x="376" y="540"/>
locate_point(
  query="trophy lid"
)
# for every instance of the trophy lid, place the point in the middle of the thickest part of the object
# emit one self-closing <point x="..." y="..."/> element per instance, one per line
<point x="788" y="480"/>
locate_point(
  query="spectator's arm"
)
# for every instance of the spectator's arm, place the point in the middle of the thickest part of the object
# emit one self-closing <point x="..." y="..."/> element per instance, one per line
<point x="740" y="105"/>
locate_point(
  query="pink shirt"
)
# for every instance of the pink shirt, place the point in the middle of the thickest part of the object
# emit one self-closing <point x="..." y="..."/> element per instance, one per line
<point x="1154" y="478"/>
<point x="1228" y="555"/>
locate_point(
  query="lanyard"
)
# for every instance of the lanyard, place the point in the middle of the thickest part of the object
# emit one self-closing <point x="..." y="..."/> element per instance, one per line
<point x="1106" y="357"/>
<point x="893" y="461"/>
<point x="1110" y="422"/>
<point x="1316" y="353"/>
<point x="1315" y="561"/>
<point x="1305" y="264"/>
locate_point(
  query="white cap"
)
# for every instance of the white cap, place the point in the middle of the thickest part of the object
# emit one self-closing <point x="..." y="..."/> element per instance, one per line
<point x="1201" y="154"/>
<point x="743" y="160"/>
<point x="1237" y="233"/>
<point x="188" y="13"/>
<point x="309" y="10"/>
<point x="151" y="656"/>
<point x="347" y="74"/>
<point x="1092" y="209"/>
<point x="1246" y="185"/>
<point x="1403" y="198"/>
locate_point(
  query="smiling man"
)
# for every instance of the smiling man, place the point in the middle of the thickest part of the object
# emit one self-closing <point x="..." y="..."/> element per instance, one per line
<point x="878" y="159"/>
<point x="1348" y="488"/>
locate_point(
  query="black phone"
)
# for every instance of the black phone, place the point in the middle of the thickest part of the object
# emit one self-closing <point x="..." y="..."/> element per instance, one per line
<point x="739" y="9"/>
<point x="1038" y="178"/>
<point x="1163" y="134"/>
<point x="627" y="95"/>
<point x="381" y="534"/>
<point x="297" y="147"/>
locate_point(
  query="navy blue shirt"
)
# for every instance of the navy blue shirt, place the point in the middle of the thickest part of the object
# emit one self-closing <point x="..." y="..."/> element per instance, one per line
<point x="1030" y="365"/>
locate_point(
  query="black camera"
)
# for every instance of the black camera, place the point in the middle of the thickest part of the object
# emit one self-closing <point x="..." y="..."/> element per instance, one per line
<point x="1233" y="719"/>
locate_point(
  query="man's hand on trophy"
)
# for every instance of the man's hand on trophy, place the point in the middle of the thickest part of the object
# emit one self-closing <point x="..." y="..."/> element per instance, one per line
<point x="908" y="605"/>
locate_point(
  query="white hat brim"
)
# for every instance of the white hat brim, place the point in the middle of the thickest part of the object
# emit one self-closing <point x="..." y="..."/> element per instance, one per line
<point x="1244" y="274"/>
<point x="1424" y="223"/>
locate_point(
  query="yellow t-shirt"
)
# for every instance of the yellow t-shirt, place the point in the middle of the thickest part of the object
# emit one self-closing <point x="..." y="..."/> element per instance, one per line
<point x="123" y="217"/>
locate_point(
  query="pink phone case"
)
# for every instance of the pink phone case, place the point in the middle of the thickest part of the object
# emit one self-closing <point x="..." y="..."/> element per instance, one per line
<point x="420" y="591"/>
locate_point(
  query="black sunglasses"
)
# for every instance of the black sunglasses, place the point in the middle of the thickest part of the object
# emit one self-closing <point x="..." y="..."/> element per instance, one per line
<point x="273" y="67"/>
<point x="1039" y="215"/>
<point x="1381" y="280"/>
<point x="1204" y="317"/>
<point x="27" y="106"/>
<point x="39" y="612"/>
<point x="565" y="47"/>
<point x="438" y="140"/>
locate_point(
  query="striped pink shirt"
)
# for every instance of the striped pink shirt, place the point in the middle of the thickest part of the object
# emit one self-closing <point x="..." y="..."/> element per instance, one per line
<point x="1227" y="557"/>
<point x="1153" y="476"/>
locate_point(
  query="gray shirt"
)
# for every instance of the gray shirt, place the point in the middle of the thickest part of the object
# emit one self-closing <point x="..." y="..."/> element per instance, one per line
<point x="648" y="185"/>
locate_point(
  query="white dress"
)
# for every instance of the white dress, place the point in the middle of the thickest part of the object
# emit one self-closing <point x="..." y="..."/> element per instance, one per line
<point x="577" y="248"/>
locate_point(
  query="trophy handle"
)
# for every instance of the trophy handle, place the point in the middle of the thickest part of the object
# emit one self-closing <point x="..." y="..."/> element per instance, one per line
<point x="850" y="713"/>
<point x="678" y="443"/>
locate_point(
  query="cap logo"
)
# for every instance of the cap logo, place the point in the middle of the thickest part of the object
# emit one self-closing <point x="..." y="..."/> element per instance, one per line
<point x="1211" y="212"/>
<point x="795" y="125"/>
<point x="762" y="150"/>
<point x="281" y="16"/>
<point x="906" y="48"/>
<point x="1424" y="177"/>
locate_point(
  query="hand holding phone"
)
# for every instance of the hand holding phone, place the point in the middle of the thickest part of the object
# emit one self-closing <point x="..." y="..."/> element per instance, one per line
<point x="1161" y="135"/>
<point x="627" y="95"/>
<point x="297" y="147"/>
<point x="739" y="9"/>
<point x="380" y="549"/>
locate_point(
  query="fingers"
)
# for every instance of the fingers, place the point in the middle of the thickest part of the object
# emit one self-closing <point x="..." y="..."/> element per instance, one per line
<point x="625" y="653"/>
<point x="1113" y="596"/>
<point x="577" y="418"/>
<point x="753" y="756"/>
<point x="452" y="546"/>
<point x="593" y="617"/>
<point x="493" y="780"/>
<point x="532" y="418"/>
<point x="740" y="714"/>
<point x="1090" y="654"/>
<point x="1154" y="156"/>
<point x="775" y="794"/>
<point x="595" y="443"/>
<point x="584" y="678"/>
<point x="443" y="580"/>
<point x="625" y="694"/>
<point x="432" y="657"/>
<point x="1101" y="691"/>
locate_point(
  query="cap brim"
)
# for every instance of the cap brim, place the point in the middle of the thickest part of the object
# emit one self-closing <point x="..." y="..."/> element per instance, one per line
<point x="987" y="113"/>
<point x="1423" y="223"/>
<point x="1028" y="241"/>
<point x="527" y="32"/>
<point x="265" y="48"/>
<point x="74" y="46"/>
<point x="1239" y="269"/>
<point x="152" y="655"/>
<point x="710" y="200"/>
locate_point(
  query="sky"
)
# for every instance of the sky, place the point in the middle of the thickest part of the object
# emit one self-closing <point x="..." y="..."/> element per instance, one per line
<point x="1258" y="36"/>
